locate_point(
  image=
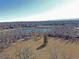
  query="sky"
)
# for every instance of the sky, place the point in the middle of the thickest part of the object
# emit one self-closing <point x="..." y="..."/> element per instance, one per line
<point x="38" y="10"/>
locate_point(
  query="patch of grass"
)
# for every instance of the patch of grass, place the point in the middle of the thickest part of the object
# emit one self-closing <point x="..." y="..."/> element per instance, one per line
<point x="55" y="49"/>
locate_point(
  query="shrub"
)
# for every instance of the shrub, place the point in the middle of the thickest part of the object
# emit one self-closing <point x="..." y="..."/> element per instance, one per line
<point x="44" y="43"/>
<point x="4" y="55"/>
<point x="24" y="53"/>
<point x="45" y="39"/>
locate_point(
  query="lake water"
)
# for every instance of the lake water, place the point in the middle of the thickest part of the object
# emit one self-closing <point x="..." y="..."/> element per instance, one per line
<point x="32" y="29"/>
<point x="21" y="32"/>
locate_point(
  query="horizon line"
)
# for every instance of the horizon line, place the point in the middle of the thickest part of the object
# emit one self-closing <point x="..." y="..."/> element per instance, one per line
<point x="71" y="19"/>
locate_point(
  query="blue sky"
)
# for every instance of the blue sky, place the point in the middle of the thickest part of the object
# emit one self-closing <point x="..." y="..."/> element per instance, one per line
<point x="17" y="8"/>
<point x="24" y="10"/>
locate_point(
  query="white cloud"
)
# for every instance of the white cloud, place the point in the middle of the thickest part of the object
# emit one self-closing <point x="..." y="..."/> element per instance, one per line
<point x="68" y="11"/>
